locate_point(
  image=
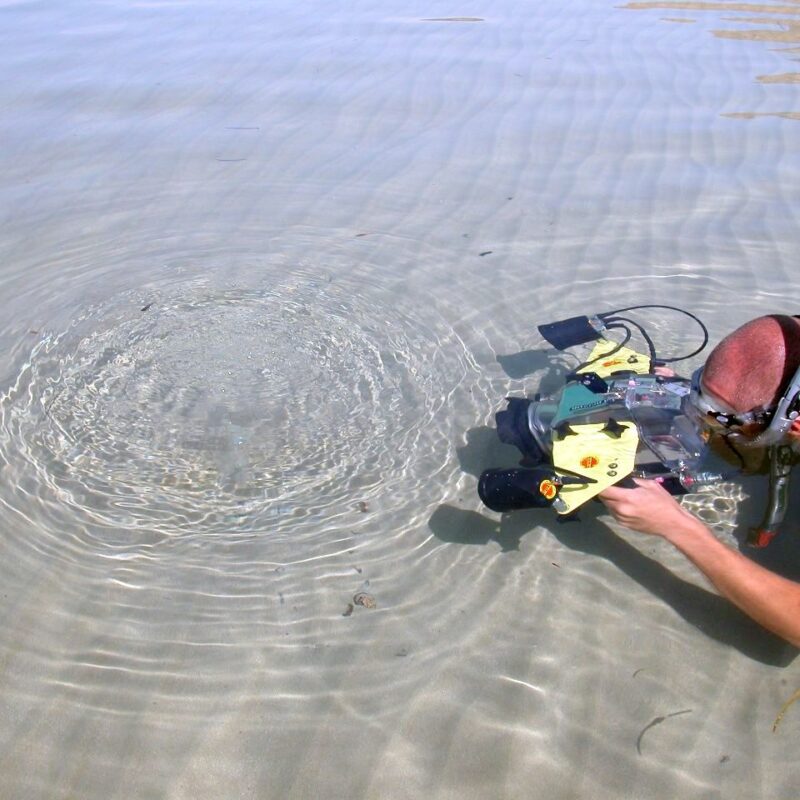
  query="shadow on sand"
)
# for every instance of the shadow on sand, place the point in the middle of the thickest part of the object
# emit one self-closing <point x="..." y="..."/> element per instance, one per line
<point x="704" y="609"/>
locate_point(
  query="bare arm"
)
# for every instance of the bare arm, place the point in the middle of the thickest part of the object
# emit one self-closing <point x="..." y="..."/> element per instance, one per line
<point x="769" y="599"/>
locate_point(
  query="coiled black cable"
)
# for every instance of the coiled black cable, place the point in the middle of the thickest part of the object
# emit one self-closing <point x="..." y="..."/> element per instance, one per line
<point x="610" y="317"/>
<point x="617" y="347"/>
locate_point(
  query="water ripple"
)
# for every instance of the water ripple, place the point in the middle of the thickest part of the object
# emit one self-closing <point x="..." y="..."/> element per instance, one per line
<point x="196" y="411"/>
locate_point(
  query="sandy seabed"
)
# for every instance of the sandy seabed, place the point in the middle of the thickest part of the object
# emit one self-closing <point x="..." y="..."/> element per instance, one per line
<point x="263" y="265"/>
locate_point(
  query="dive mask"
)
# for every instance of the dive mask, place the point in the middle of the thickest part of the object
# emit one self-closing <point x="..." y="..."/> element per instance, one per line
<point x="714" y="413"/>
<point x="760" y="427"/>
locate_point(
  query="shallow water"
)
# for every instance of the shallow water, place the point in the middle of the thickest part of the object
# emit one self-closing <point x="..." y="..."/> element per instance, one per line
<point x="263" y="268"/>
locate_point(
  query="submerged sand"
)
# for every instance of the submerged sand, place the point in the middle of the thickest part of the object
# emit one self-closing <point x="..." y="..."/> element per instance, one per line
<point x="261" y="266"/>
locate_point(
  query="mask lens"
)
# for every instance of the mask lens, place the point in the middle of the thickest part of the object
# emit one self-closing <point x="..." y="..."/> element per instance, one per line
<point x="710" y="413"/>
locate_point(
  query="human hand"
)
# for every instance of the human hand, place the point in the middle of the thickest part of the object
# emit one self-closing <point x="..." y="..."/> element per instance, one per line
<point x="649" y="508"/>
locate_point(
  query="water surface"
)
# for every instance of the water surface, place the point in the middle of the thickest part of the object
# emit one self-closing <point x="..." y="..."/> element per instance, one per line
<point x="262" y="266"/>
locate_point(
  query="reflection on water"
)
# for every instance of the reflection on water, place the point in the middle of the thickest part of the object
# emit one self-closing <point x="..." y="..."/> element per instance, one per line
<point x="753" y="114"/>
<point x="213" y="409"/>
<point x="776" y="29"/>
<point x="267" y="272"/>
<point x="787" y="77"/>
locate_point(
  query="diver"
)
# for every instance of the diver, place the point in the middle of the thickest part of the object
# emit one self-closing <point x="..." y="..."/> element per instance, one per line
<point x="742" y="383"/>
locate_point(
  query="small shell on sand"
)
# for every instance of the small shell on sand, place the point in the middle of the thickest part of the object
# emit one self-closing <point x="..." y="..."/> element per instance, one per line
<point x="364" y="599"/>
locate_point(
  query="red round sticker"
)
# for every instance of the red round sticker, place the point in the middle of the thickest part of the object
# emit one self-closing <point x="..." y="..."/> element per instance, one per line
<point x="589" y="461"/>
<point x="548" y="489"/>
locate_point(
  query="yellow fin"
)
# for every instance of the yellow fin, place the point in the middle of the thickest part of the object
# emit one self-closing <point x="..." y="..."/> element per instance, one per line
<point x="624" y="358"/>
<point x="595" y="454"/>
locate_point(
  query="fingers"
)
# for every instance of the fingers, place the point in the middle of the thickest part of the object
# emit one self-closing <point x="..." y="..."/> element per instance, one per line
<point x="648" y="508"/>
<point x="618" y="492"/>
<point x="612" y="493"/>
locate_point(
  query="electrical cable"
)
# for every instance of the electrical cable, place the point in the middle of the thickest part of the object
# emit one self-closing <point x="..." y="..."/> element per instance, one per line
<point x="613" y="350"/>
<point x="608" y="315"/>
<point x="650" y="344"/>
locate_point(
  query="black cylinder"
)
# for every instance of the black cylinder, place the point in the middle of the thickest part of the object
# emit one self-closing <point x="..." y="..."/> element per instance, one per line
<point x="513" y="428"/>
<point x="512" y="489"/>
